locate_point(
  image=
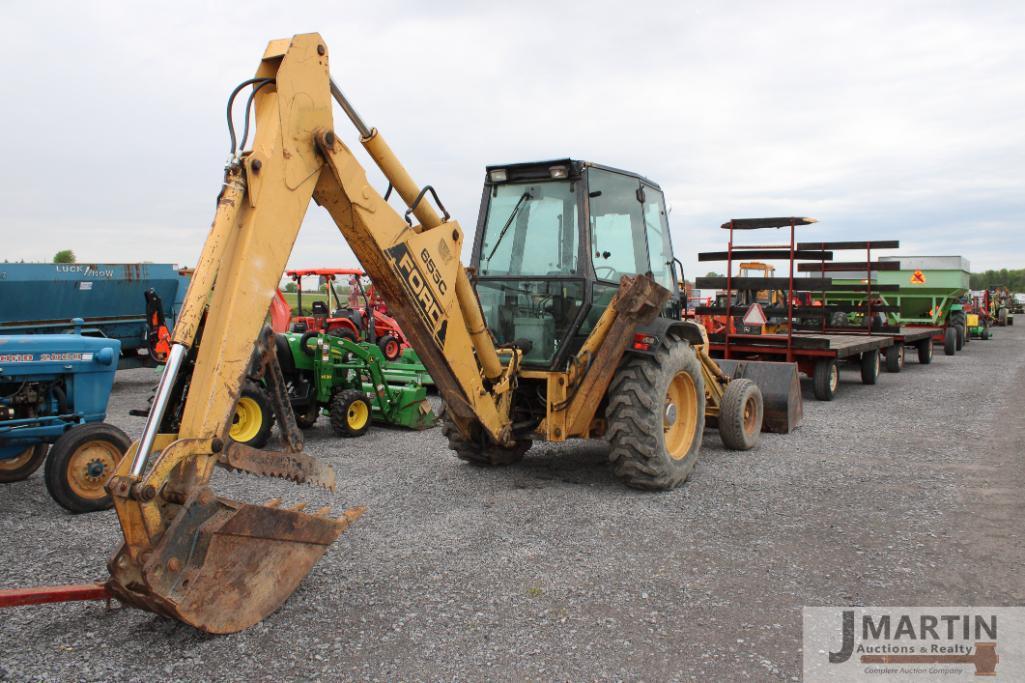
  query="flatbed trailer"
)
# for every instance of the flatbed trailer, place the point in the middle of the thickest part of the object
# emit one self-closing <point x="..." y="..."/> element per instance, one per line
<point x="919" y="337"/>
<point x="817" y="355"/>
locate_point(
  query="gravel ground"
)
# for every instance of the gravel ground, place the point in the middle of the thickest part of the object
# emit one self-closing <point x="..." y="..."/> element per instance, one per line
<point x="905" y="493"/>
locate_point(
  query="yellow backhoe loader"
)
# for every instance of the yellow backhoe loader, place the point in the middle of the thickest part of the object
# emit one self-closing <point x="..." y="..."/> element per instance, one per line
<point x="566" y="327"/>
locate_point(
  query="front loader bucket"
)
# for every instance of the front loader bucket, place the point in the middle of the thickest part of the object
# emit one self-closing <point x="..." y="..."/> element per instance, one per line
<point x="780" y="387"/>
<point x="222" y="566"/>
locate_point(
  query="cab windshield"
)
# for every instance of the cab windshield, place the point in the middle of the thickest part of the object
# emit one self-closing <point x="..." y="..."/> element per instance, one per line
<point x="531" y="229"/>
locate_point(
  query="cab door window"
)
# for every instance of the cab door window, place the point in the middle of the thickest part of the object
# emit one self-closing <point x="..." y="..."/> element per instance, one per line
<point x="618" y="244"/>
<point x="660" y="244"/>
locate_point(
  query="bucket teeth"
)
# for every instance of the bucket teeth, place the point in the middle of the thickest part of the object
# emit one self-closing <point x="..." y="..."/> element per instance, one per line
<point x="352" y="514"/>
<point x="272" y="503"/>
<point x="322" y="512"/>
<point x="295" y="467"/>
<point x="298" y="508"/>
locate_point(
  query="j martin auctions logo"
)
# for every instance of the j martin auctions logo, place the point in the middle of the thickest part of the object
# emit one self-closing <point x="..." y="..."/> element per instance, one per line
<point x="913" y="643"/>
<point x="928" y="642"/>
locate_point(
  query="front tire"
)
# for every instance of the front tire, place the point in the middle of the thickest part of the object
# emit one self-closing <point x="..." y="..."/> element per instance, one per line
<point x="390" y="347"/>
<point x="740" y="415"/>
<point x="253" y="419"/>
<point x="656" y="417"/>
<point x="478" y="453"/>
<point x="81" y="462"/>
<point x="307" y="419"/>
<point x="22" y="465"/>
<point x="350" y="413"/>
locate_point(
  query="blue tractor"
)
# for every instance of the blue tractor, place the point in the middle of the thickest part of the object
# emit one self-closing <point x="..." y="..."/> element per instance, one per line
<point x="54" y="390"/>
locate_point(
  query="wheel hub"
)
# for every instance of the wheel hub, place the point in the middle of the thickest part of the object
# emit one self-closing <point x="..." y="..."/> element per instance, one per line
<point x="89" y="466"/>
<point x="95" y="469"/>
<point x="669" y="418"/>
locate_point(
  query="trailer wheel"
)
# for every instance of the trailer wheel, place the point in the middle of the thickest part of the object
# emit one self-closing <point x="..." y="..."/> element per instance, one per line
<point x="895" y="358"/>
<point x="740" y="415"/>
<point x="22" y="465"/>
<point x="81" y="462"/>
<point x="253" y="419"/>
<point x="479" y="453"/>
<point x="656" y="417"/>
<point x="390" y="346"/>
<point x="826" y="379"/>
<point x="350" y="413"/>
<point x="959" y="336"/>
<point x="870" y="367"/>
<point x="950" y="346"/>
<point x="925" y="351"/>
<point x="984" y="335"/>
<point x="1002" y="316"/>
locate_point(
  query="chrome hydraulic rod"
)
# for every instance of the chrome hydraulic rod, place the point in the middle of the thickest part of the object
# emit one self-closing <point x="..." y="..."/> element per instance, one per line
<point x="159" y="407"/>
<point x="407" y="188"/>
<point x="350" y="111"/>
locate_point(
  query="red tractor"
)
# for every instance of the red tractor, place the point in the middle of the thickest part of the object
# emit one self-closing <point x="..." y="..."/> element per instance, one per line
<point x="366" y="322"/>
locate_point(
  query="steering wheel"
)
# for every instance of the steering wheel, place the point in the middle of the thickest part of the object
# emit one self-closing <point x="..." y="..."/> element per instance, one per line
<point x="612" y="272"/>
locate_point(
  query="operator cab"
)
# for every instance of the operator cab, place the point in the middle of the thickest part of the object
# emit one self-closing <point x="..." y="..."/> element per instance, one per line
<point x="553" y="239"/>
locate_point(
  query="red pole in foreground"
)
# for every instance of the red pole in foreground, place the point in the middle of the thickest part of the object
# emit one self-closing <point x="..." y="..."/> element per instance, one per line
<point x="39" y="595"/>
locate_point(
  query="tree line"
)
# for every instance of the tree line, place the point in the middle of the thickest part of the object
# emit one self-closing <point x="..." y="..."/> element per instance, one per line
<point x="1013" y="279"/>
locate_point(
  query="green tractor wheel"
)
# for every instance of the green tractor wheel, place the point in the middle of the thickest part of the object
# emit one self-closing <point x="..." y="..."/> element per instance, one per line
<point x="254" y="418"/>
<point x="350" y="413"/>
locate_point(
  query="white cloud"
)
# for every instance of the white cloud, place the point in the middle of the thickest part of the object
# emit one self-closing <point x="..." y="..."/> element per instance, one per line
<point x="880" y="119"/>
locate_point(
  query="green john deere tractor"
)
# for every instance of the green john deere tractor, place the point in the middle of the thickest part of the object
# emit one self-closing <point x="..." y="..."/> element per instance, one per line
<point x="353" y="382"/>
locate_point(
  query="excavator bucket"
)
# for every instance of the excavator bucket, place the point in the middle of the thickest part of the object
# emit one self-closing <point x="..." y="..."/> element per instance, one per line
<point x="780" y="387"/>
<point x="223" y="566"/>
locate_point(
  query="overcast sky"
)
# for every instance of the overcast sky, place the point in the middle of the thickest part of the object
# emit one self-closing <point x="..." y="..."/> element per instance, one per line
<point x="882" y="119"/>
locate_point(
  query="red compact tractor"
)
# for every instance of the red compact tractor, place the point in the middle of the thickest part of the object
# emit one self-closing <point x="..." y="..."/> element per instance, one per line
<point x="362" y="317"/>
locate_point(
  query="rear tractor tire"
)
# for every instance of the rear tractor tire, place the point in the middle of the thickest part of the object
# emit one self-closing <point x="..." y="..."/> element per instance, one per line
<point x="343" y="333"/>
<point x="826" y="379"/>
<point x="870" y="367"/>
<point x="479" y="453"/>
<point x="81" y="462"/>
<point x="656" y="417"/>
<point x="740" y="415"/>
<point x="22" y="465"/>
<point x="950" y="346"/>
<point x="350" y="413"/>
<point x="959" y="336"/>
<point x="254" y="417"/>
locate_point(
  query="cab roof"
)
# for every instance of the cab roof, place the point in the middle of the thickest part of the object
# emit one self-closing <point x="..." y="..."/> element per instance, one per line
<point x="539" y="170"/>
